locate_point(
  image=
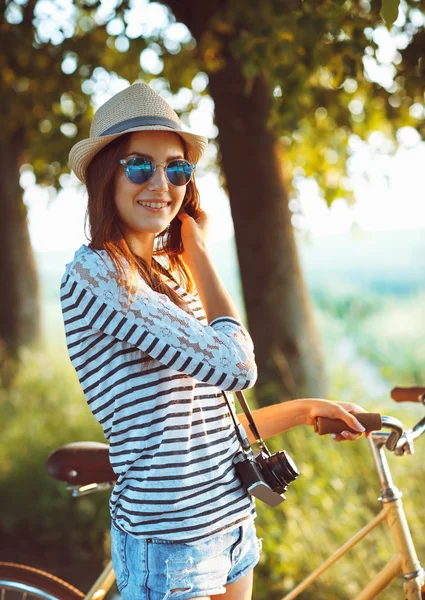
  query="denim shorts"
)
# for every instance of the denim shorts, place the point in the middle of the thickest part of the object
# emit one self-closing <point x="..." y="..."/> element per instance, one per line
<point x="155" y="569"/>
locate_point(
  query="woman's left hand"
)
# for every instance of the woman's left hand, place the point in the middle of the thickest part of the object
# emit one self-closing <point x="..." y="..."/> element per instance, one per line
<point x="348" y="435"/>
<point x="338" y="410"/>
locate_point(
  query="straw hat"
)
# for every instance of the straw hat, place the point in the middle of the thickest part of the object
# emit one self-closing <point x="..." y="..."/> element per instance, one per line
<point x="136" y="108"/>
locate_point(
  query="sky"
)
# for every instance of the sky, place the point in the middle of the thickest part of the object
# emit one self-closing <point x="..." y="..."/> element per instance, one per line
<point x="393" y="199"/>
<point x="389" y="190"/>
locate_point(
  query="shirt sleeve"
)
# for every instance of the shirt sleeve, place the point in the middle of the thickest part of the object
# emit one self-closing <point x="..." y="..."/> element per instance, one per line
<point x="221" y="353"/>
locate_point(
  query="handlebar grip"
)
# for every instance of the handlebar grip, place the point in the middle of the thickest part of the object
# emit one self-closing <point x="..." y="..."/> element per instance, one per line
<point x="408" y="394"/>
<point x="370" y="421"/>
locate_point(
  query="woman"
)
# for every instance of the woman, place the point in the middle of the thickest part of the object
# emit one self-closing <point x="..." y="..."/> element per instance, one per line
<point x="154" y="354"/>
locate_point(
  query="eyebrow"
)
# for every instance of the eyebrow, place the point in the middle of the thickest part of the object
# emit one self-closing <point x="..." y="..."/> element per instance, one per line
<point x="146" y="155"/>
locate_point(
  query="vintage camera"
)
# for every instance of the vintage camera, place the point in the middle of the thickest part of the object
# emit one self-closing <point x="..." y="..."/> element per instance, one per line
<point x="266" y="477"/>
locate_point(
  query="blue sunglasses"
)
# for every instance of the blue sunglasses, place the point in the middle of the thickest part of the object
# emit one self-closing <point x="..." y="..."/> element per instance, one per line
<point x="140" y="170"/>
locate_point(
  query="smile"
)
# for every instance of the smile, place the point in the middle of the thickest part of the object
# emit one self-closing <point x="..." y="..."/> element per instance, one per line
<point x="155" y="206"/>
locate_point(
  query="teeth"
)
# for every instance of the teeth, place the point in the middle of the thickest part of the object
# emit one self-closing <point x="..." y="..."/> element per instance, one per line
<point x="153" y="204"/>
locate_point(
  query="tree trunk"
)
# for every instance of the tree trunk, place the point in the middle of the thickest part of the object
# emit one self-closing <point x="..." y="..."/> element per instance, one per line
<point x="278" y="310"/>
<point x="19" y="298"/>
<point x="287" y="349"/>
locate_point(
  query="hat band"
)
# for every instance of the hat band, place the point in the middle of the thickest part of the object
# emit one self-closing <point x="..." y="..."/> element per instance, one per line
<point x="140" y="121"/>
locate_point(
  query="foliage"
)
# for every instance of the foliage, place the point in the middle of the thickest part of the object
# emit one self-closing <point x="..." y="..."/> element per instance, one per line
<point x="382" y="329"/>
<point x="389" y="11"/>
<point x="43" y="410"/>
<point x="393" y="340"/>
<point x="314" y="56"/>
<point x="334" y="496"/>
<point x="312" y="53"/>
<point x="336" y="493"/>
<point x="347" y="303"/>
<point x="54" y="57"/>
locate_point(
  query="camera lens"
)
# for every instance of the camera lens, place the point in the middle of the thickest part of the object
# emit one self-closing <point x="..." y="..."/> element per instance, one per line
<point x="279" y="470"/>
<point x="283" y="467"/>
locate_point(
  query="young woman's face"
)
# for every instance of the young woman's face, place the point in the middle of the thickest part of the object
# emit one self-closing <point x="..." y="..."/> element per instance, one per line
<point x="136" y="219"/>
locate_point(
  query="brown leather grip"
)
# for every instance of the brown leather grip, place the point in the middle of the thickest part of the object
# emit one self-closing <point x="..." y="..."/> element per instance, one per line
<point x="408" y="394"/>
<point x="370" y="421"/>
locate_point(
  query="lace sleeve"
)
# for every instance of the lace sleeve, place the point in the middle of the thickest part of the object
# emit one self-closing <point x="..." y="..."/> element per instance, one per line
<point x="220" y="353"/>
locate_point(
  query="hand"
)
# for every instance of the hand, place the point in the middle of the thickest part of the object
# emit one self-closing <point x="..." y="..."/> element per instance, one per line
<point x="338" y="410"/>
<point x="194" y="233"/>
<point x="347" y="435"/>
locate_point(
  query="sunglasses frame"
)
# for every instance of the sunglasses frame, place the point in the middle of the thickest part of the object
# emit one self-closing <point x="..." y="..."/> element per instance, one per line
<point x="124" y="163"/>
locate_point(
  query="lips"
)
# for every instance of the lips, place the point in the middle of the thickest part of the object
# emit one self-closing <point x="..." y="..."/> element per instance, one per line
<point x="154" y="208"/>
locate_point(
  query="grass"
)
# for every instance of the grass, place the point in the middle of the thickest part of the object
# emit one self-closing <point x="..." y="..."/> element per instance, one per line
<point x="45" y="409"/>
<point x="335" y="495"/>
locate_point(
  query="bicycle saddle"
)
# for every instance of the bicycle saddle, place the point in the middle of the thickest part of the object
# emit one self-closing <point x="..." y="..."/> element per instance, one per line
<point x="81" y="463"/>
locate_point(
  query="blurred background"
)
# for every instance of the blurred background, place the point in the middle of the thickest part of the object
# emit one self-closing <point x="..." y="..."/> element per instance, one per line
<point x="314" y="183"/>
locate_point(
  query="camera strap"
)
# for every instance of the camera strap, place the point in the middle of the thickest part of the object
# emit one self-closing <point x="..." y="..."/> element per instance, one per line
<point x="243" y="439"/>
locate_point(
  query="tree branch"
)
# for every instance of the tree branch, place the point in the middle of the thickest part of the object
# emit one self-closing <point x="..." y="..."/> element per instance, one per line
<point x="195" y="15"/>
<point x="28" y="13"/>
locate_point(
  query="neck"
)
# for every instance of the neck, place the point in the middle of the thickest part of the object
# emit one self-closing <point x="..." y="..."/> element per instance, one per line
<point x="141" y="245"/>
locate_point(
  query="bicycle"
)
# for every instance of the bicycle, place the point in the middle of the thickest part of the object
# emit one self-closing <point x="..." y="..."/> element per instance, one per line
<point x="405" y="560"/>
<point x="85" y="467"/>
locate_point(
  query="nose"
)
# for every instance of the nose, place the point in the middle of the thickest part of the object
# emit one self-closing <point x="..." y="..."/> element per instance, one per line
<point x="158" y="182"/>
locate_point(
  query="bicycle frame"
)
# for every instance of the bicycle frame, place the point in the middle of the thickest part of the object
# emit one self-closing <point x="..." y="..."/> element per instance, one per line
<point x="405" y="560"/>
<point x="106" y="579"/>
<point x="103" y="584"/>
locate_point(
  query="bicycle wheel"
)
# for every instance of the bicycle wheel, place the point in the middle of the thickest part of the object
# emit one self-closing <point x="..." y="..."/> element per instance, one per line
<point x="21" y="582"/>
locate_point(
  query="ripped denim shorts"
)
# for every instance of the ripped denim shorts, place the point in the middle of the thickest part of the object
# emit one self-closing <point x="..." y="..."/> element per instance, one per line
<point x="155" y="569"/>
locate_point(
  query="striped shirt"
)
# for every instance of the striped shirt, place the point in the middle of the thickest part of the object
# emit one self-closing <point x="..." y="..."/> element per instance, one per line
<point x="153" y="375"/>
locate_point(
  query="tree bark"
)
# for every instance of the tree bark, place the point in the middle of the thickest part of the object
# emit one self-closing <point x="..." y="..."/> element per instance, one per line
<point x="279" y="314"/>
<point x="278" y="309"/>
<point x="19" y="298"/>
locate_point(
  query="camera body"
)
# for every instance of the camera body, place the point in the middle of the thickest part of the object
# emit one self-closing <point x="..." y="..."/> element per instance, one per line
<point x="266" y="477"/>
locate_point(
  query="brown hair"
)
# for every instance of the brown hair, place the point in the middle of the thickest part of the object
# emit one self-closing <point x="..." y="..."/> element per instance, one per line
<point x="105" y="232"/>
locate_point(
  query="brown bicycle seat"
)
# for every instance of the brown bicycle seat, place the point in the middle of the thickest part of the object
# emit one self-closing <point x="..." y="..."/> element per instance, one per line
<point x="81" y="463"/>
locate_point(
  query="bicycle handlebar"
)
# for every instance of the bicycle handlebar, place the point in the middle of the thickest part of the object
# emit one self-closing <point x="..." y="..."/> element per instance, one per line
<point x="408" y="394"/>
<point x="370" y="421"/>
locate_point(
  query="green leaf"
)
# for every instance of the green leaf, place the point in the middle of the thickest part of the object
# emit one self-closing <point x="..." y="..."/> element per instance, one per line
<point x="389" y="11"/>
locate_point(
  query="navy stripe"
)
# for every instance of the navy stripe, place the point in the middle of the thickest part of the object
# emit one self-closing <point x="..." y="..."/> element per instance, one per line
<point x="174" y="501"/>
<point x="144" y="438"/>
<point x="136" y="415"/>
<point x="130" y="333"/>
<point x="171" y="438"/>
<point x="144" y="121"/>
<point x="71" y="291"/>
<point x="180" y="488"/>
<point x="175" y="514"/>
<point x="97" y="315"/>
<point x="135" y="427"/>
<point x="188" y="527"/>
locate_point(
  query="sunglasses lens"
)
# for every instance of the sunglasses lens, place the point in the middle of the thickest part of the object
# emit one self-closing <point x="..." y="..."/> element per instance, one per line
<point x="139" y="170"/>
<point x="179" y="172"/>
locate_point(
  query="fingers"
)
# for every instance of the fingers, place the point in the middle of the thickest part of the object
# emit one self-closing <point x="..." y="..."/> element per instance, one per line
<point x="182" y="215"/>
<point x="202" y="219"/>
<point x="351" y="407"/>
<point x="355" y="424"/>
<point x="342" y="411"/>
<point x="345" y="436"/>
<point x="351" y="420"/>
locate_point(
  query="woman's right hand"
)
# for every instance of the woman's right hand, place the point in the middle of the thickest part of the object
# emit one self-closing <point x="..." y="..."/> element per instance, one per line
<point x="194" y="233"/>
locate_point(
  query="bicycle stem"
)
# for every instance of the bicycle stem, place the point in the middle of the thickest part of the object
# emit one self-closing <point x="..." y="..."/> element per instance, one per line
<point x="389" y="492"/>
<point x="391" y="499"/>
